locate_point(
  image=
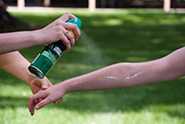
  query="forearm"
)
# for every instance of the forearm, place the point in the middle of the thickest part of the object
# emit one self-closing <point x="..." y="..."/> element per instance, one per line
<point x="118" y="76"/>
<point x="130" y="74"/>
<point x="17" y="40"/>
<point x="15" y="64"/>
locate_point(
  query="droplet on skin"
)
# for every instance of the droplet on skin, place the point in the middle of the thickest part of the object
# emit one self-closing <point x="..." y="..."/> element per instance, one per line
<point x="131" y="76"/>
<point x="111" y="78"/>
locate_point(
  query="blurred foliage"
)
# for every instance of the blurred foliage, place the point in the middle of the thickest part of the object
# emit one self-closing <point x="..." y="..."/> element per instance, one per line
<point x="107" y="37"/>
<point x="103" y="3"/>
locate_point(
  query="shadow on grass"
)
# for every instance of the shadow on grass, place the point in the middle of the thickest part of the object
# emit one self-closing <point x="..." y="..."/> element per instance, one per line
<point x="136" y="99"/>
<point x="177" y="113"/>
<point x="135" y="37"/>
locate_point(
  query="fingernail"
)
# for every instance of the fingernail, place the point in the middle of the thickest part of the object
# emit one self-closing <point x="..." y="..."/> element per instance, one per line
<point x="37" y="107"/>
<point x="73" y="42"/>
<point x="31" y="113"/>
<point x="69" y="46"/>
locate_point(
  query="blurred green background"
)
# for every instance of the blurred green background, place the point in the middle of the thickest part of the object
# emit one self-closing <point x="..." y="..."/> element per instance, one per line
<point x="107" y="38"/>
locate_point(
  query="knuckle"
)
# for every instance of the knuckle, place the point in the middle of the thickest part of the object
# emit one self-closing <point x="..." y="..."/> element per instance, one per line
<point x="67" y="13"/>
<point x="49" y="99"/>
<point x="67" y="42"/>
<point x="70" y="35"/>
<point x="60" y="23"/>
<point x="40" y="93"/>
<point x="63" y="40"/>
<point x="68" y="24"/>
<point x="57" y="23"/>
<point x="59" y="30"/>
<point x="56" y="28"/>
<point x="71" y="38"/>
<point x="62" y="35"/>
<point x="58" y="34"/>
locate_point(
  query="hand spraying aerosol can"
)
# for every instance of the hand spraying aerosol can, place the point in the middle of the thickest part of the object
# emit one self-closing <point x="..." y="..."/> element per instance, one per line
<point x="50" y="54"/>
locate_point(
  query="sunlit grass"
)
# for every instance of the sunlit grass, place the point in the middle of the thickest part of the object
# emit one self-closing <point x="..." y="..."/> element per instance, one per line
<point x="110" y="37"/>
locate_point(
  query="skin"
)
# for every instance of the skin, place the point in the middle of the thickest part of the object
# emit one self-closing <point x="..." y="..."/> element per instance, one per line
<point x="118" y="75"/>
<point x="17" y="65"/>
<point x="53" y="32"/>
<point x="14" y="63"/>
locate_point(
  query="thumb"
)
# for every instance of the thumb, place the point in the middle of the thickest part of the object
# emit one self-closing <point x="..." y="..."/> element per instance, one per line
<point x="46" y="84"/>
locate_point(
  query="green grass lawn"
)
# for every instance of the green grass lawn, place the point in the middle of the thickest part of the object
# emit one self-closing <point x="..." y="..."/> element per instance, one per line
<point x="123" y="36"/>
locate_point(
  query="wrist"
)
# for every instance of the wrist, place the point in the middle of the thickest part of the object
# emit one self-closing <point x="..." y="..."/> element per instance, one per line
<point x="38" y="37"/>
<point x="66" y="86"/>
<point x="31" y="79"/>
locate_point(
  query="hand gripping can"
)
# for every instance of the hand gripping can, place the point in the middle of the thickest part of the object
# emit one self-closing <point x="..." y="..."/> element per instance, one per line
<point x="49" y="55"/>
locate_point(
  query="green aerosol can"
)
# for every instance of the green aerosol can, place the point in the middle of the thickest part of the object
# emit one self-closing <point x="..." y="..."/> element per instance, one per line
<point x="49" y="55"/>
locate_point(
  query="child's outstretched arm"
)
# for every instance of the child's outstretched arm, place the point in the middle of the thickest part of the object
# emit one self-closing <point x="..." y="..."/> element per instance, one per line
<point x="116" y="76"/>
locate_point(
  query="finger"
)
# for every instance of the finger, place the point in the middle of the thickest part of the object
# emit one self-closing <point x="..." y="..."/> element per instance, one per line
<point x="67" y="16"/>
<point x="40" y="94"/>
<point x="43" y="103"/>
<point x="65" y="41"/>
<point x="70" y="36"/>
<point x="35" y="99"/>
<point x="35" y="89"/>
<point x="31" y="105"/>
<point x="73" y="28"/>
<point x="73" y="41"/>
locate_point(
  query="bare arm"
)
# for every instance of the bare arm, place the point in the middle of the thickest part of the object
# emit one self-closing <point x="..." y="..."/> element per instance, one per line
<point x="17" y="65"/>
<point x="131" y="74"/>
<point x="17" y="40"/>
<point x="116" y="76"/>
<point x="51" y="33"/>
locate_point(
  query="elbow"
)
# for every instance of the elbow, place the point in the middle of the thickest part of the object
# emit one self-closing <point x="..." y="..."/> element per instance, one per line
<point x="168" y="70"/>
